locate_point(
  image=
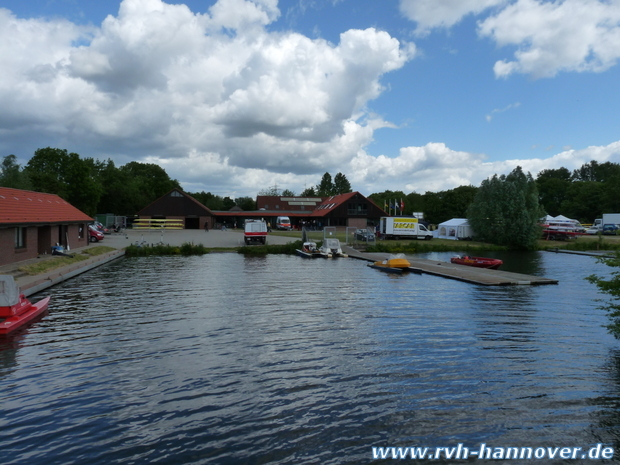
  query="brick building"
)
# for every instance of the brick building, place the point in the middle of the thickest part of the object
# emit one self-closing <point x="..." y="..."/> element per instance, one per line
<point x="32" y="222"/>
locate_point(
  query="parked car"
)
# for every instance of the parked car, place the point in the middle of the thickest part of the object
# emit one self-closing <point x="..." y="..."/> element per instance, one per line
<point x="101" y="228"/>
<point x="610" y="229"/>
<point x="593" y="230"/>
<point x="94" y="235"/>
<point x="364" y="235"/>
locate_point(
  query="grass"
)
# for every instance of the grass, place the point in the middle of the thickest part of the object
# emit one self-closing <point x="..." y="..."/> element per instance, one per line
<point x="58" y="261"/>
<point x="185" y="249"/>
<point x="287" y="249"/>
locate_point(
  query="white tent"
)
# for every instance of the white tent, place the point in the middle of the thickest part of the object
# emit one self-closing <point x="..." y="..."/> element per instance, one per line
<point x="456" y="229"/>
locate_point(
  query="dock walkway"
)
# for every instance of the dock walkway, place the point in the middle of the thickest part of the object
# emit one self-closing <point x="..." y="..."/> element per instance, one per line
<point x="459" y="272"/>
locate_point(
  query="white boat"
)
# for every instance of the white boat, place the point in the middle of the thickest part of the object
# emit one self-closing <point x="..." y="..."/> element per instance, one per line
<point x="310" y="250"/>
<point x="332" y="248"/>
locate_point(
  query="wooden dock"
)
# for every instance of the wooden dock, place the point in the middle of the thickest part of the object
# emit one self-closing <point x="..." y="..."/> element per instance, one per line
<point x="464" y="273"/>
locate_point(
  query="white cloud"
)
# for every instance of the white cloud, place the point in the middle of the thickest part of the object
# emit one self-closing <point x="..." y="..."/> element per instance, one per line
<point x="186" y="89"/>
<point x="569" y="35"/>
<point x="491" y="115"/>
<point x="436" y="167"/>
<point x="429" y="14"/>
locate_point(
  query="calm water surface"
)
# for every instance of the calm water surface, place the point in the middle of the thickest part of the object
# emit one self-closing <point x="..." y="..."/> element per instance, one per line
<point x="223" y="359"/>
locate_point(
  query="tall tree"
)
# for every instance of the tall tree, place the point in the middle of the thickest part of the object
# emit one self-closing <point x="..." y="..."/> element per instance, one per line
<point x="149" y="182"/>
<point x="553" y="185"/>
<point x="56" y="171"/>
<point x="506" y="211"/>
<point x="326" y="186"/>
<point x="341" y="184"/>
<point x="12" y="174"/>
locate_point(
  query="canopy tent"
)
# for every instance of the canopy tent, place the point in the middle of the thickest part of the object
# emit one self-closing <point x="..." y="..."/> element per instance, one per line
<point x="456" y="229"/>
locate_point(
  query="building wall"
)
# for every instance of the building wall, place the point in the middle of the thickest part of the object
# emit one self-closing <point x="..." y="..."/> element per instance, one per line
<point x="36" y="244"/>
<point x="9" y="253"/>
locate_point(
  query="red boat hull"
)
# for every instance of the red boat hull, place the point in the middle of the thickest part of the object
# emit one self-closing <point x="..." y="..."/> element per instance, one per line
<point x="27" y="313"/>
<point x="478" y="262"/>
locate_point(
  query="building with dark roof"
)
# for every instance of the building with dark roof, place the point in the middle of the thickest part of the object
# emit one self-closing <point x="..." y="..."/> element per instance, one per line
<point x="351" y="209"/>
<point x="177" y="205"/>
<point x="32" y="222"/>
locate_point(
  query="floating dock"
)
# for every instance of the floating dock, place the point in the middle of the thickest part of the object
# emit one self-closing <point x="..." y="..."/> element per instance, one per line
<point x="464" y="273"/>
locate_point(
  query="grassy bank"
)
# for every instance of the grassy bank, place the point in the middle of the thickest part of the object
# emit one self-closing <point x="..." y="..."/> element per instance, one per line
<point x="185" y="249"/>
<point x="57" y="261"/>
<point x="287" y="249"/>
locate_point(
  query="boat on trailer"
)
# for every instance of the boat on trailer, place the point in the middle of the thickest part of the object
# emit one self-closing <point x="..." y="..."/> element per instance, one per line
<point x="477" y="262"/>
<point x="15" y="309"/>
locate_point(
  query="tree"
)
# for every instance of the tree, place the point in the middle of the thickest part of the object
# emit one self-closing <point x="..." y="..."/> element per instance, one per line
<point x="341" y="184"/>
<point x="553" y="188"/>
<point x="148" y="183"/>
<point x="56" y="171"/>
<point x="246" y="203"/>
<point x="506" y="211"/>
<point x="611" y="286"/>
<point x="326" y="186"/>
<point x="308" y="192"/>
<point x="288" y="193"/>
<point x="272" y="191"/>
<point x="12" y="175"/>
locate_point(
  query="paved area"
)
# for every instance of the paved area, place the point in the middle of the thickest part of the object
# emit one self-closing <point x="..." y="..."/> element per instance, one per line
<point x="212" y="239"/>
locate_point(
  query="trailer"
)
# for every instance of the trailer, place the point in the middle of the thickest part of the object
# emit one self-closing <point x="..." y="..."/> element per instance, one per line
<point x="402" y="227"/>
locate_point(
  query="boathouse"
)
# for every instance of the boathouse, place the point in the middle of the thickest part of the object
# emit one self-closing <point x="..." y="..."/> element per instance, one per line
<point x="351" y="209"/>
<point x="177" y="205"/>
<point x="32" y="222"/>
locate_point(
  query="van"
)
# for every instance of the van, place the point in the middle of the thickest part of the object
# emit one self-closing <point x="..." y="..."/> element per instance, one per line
<point x="283" y="223"/>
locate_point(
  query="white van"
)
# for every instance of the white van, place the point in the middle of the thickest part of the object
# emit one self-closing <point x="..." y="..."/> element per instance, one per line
<point x="283" y="223"/>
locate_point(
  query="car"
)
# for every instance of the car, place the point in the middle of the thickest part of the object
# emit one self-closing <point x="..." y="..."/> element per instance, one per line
<point x="94" y="235"/>
<point x="101" y="227"/>
<point x="610" y="229"/>
<point x="593" y="230"/>
<point x="364" y="235"/>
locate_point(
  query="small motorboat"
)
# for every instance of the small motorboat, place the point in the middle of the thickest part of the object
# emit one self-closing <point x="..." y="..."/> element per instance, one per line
<point x="15" y="309"/>
<point x="477" y="262"/>
<point x="331" y="248"/>
<point x="310" y="250"/>
<point x="396" y="264"/>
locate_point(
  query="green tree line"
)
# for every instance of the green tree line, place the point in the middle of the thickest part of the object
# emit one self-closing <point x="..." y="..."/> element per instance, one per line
<point x="95" y="186"/>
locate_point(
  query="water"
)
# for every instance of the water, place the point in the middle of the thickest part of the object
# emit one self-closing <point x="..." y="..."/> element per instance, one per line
<point x="223" y="359"/>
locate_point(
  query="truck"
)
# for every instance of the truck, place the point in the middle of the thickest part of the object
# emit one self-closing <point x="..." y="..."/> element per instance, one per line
<point x="402" y="227"/>
<point x="608" y="218"/>
<point x="255" y="231"/>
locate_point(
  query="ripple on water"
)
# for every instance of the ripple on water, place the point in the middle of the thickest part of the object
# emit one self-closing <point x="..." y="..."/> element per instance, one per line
<point x="227" y="359"/>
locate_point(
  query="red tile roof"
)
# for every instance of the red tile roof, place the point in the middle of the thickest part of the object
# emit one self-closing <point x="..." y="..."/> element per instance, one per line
<point x="19" y="207"/>
<point x="330" y="203"/>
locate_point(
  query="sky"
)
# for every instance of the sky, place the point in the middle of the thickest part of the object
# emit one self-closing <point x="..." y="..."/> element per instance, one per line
<point x="236" y="96"/>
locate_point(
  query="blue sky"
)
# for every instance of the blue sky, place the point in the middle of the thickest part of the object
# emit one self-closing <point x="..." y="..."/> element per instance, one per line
<point x="235" y="96"/>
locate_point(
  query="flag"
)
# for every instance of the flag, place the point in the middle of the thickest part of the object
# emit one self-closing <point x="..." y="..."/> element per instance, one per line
<point x="402" y="205"/>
